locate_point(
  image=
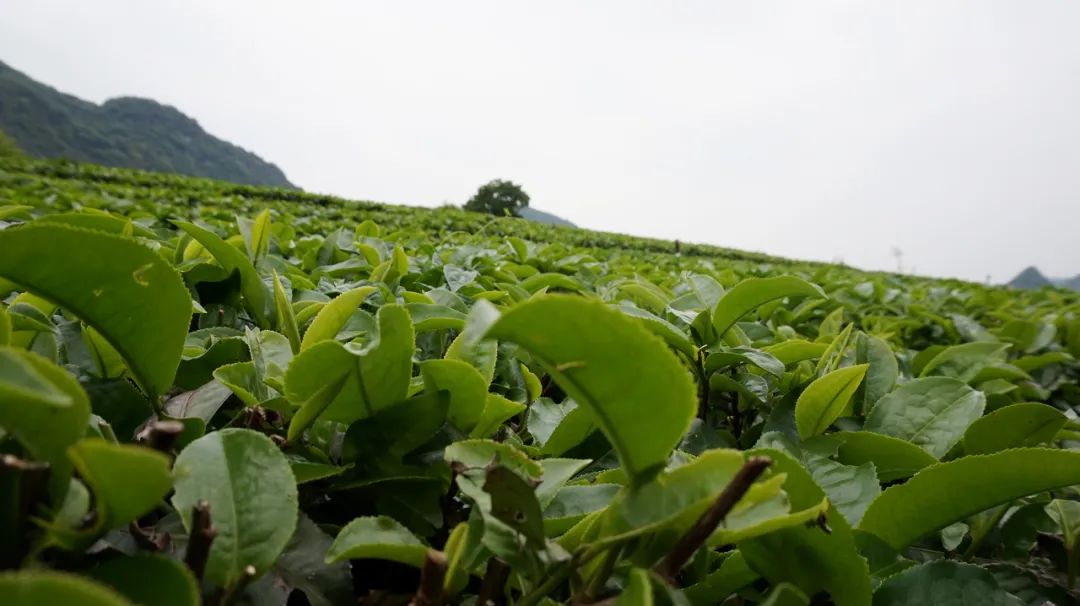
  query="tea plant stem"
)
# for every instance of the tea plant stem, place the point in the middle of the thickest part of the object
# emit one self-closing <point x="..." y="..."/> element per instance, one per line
<point x="549" y="585"/>
<point x="202" y="537"/>
<point x="430" y="592"/>
<point x="494" y="580"/>
<point x="28" y="480"/>
<point x="607" y="566"/>
<point x="696" y="536"/>
<point x="161" y="435"/>
<point x="227" y="596"/>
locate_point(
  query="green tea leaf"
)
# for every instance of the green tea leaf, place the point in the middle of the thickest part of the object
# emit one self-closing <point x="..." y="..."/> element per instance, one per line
<point x="751" y="293"/>
<point x="380" y="538"/>
<point x="963" y="362"/>
<point x="932" y="413"/>
<point x="893" y="458"/>
<point x="252" y="496"/>
<point x="950" y="492"/>
<point x="44" y="408"/>
<point x="1013" y="426"/>
<point x="466" y="386"/>
<point x="333" y="316"/>
<point x="149" y="579"/>
<point x="825" y="399"/>
<point x="41" y="587"/>
<point x="340" y="383"/>
<point x="638" y="590"/>
<point x="285" y="317"/>
<point x="807" y="557"/>
<point x="257" y="297"/>
<point x="127" y="481"/>
<point x="120" y="290"/>
<point x="586" y="348"/>
<point x="497" y="410"/>
<point x="943" y="582"/>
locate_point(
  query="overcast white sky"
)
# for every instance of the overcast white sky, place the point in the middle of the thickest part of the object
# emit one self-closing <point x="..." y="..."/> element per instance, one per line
<point x="826" y="130"/>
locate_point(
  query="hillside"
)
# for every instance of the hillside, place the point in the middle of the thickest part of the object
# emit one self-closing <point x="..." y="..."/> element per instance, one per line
<point x="1031" y="278"/>
<point x="122" y="132"/>
<point x="540" y="216"/>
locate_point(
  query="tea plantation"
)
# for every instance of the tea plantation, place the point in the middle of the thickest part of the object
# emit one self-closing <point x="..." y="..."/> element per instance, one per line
<point x="223" y="394"/>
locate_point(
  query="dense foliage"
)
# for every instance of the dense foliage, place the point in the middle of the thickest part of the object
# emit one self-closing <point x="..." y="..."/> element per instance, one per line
<point x="500" y="198"/>
<point x="123" y="132"/>
<point x="237" y="395"/>
<point x="8" y="147"/>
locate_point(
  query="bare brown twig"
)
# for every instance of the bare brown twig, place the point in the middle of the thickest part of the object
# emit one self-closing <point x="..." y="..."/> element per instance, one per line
<point x="430" y="592"/>
<point x="202" y="537"/>
<point x="696" y="536"/>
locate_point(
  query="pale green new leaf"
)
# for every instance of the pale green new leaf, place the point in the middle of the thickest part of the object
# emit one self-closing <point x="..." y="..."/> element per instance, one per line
<point x="257" y="296"/>
<point x="634" y="387"/>
<point x="751" y="293"/>
<point x="825" y="399"/>
<point x="333" y="316"/>
<point x="380" y="538"/>
<point x="120" y="290"/>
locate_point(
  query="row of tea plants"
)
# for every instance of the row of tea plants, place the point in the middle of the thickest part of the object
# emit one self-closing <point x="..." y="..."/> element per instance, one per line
<point x="224" y="395"/>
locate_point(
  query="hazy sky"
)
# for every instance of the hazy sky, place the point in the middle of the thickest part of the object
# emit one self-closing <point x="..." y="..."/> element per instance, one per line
<point x="813" y="130"/>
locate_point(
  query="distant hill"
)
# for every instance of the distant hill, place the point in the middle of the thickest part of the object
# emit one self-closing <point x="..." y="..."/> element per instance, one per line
<point x="124" y="132"/>
<point x="542" y="217"/>
<point x="1032" y="278"/>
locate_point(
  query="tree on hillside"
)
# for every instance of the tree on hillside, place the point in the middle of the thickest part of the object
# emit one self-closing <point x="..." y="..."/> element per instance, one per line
<point x="498" y="198"/>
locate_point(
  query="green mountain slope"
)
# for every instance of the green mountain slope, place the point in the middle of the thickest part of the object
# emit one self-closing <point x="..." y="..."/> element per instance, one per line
<point x="122" y="132"/>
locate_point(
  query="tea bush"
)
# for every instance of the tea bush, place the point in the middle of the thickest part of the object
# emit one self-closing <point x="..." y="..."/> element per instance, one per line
<point x="221" y="394"/>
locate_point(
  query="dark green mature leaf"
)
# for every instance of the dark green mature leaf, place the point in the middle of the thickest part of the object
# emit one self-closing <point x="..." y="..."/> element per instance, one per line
<point x="302" y="566"/>
<point x="42" y="587"/>
<point x="744" y="355"/>
<point x="252" y="496"/>
<point x="1066" y="514"/>
<point x="807" y="557"/>
<point x="572" y="503"/>
<point x="943" y="582"/>
<point x="883" y="371"/>
<point x="1025" y="424"/>
<point x="380" y="538"/>
<point x="513" y="502"/>
<point x="893" y="458"/>
<point x="149" y="579"/>
<point x="751" y="293"/>
<point x="732" y="575"/>
<point x="613" y="367"/>
<point x="119" y="290"/>
<point x="950" y="492"/>
<point x="932" y="413"/>
<point x="786" y="594"/>
<point x="340" y="383"/>
<point x="257" y="296"/>
<point x="964" y="362"/>
<point x="397" y="430"/>
<point x="826" y="398"/>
